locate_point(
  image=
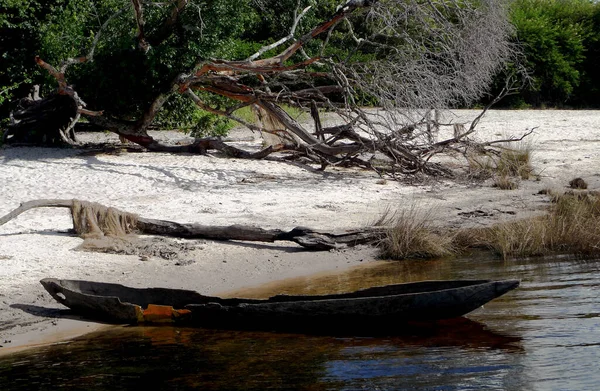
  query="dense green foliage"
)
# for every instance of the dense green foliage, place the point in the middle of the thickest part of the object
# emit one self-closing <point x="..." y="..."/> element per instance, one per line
<point x="123" y="80"/>
<point x="20" y="22"/>
<point x="561" y="42"/>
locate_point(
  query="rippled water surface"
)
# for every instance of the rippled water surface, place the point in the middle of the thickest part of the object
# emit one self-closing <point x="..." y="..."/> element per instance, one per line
<point x="543" y="336"/>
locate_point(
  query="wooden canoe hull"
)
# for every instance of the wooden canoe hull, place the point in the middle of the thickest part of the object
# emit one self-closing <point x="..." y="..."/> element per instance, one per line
<point x="355" y="313"/>
<point x="372" y="307"/>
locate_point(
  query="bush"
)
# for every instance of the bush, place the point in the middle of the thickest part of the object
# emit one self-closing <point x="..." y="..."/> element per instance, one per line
<point x="561" y="44"/>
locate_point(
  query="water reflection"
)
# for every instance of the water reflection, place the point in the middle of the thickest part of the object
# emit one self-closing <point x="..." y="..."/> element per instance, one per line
<point x="185" y="358"/>
<point x="542" y="336"/>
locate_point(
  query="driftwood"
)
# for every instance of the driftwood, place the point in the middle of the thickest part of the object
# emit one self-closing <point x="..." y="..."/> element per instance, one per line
<point x="95" y="219"/>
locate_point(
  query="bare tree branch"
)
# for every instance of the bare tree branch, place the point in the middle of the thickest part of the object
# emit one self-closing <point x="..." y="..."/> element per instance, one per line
<point x="342" y="12"/>
<point x="283" y="40"/>
<point x="510" y="139"/>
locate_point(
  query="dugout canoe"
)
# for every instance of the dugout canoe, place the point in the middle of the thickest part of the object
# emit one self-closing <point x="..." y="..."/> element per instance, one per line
<point x="371" y="307"/>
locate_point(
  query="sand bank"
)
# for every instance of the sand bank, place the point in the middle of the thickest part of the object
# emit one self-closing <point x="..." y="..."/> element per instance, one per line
<point x="215" y="190"/>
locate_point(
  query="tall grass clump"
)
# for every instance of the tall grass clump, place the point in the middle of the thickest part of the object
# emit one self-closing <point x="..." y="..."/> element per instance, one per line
<point x="410" y="234"/>
<point x="575" y="218"/>
<point x="571" y="226"/>
<point x="519" y="238"/>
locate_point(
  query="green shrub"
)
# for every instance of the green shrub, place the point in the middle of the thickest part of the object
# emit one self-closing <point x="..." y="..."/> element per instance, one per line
<point x="560" y="39"/>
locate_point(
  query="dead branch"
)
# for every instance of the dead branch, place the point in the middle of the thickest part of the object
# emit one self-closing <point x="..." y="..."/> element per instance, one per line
<point x="314" y="112"/>
<point x="313" y="143"/>
<point x="508" y="140"/>
<point x="25" y="206"/>
<point x="283" y="40"/>
<point x="129" y="131"/>
<point x="90" y="113"/>
<point x="68" y="134"/>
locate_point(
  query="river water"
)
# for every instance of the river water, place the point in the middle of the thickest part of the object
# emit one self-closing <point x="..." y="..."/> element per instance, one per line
<point x="543" y="336"/>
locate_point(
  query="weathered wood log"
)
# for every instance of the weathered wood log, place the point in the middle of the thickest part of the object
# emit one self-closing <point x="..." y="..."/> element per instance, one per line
<point x="306" y="237"/>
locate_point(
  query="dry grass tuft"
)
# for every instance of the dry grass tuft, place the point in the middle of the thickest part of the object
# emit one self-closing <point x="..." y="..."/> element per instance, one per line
<point x="515" y="162"/>
<point x="411" y="234"/>
<point x="504" y="166"/>
<point x="520" y="238"/>
<point x="571" y="226"/>
<point x="505" y="183"/>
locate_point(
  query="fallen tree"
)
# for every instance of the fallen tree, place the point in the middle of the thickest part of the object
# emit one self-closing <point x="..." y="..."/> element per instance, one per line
<point x="93" y="220"/>
<point x="410" y="58"/>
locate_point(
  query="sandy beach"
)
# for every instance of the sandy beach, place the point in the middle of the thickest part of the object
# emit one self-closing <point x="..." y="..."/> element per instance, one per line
<point x="220" y="191"/>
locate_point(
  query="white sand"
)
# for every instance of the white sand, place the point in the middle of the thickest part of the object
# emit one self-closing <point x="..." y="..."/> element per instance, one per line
<point x="214" y="190"/>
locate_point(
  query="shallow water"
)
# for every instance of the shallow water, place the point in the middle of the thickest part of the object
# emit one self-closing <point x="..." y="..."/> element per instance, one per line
<point x="543" y="336"/>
